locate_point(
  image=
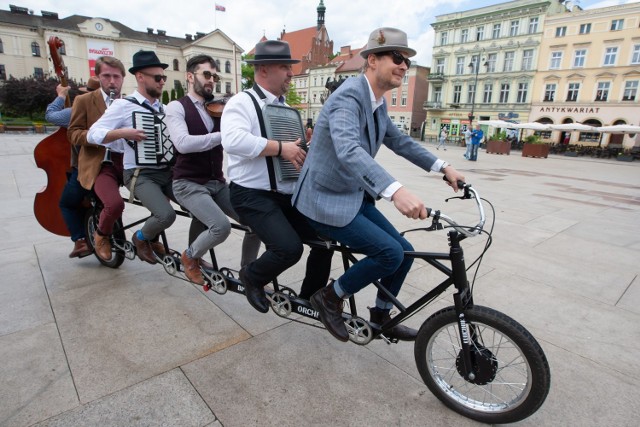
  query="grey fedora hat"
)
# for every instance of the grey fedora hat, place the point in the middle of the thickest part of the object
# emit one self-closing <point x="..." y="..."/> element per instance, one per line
<point x="386" y="39"/>
<point x="272" y="52"/>
<point x="144" y="59"/>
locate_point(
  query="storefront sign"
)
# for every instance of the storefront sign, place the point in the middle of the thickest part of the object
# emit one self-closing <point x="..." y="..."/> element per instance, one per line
<point x="588" y="110"/>
<point x="96" y="49"/>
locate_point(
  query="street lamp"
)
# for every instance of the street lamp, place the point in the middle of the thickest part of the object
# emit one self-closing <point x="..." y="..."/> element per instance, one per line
<point x="475" y="66"/>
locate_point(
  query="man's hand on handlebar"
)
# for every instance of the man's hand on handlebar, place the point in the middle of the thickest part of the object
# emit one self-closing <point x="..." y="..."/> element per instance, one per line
<point x="409" y="204"/>
<point x="452" y="176"/>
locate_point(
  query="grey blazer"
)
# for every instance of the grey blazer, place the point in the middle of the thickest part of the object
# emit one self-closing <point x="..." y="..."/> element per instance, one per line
<point x="340" y="165"/>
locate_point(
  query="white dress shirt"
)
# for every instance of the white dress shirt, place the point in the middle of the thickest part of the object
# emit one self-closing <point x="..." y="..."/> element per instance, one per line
<point x="243" y="143"/>
<point x="118" y="116"/>
<point x="116" y="146"/>
<point x="177" y="126"/>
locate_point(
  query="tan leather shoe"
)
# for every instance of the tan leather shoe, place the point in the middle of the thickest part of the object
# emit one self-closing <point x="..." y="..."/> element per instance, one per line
<point x="204" y="264"/>
<point x="143" y="250"/>
<point x="102" y="245"/>
<point x="80" y="249"/>
<point x="192" y="269"/>
<point x="158" y="248"/>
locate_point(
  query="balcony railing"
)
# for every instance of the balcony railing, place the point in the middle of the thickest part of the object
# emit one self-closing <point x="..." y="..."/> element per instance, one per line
<point x="432" y="105"/>
<point x="436" y="77"/>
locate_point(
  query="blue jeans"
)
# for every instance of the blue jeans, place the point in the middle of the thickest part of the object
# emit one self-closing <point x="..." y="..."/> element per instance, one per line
<point x="371" y="234"/>
<point x="71" y="206"/>
<point x="474" y="152"/>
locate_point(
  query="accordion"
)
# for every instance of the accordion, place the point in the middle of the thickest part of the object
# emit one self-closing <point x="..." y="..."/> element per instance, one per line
<point x="156" y="149"/>
<point x="284" y="123"/>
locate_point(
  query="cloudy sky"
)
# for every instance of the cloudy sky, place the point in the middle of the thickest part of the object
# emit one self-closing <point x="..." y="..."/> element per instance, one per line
<point x="349" y="22"/>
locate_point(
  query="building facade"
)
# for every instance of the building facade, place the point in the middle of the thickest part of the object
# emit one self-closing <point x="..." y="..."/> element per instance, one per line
<point x="484" y="62"/>
<point x="589" y="72"/>
<point x="24" y="51"/>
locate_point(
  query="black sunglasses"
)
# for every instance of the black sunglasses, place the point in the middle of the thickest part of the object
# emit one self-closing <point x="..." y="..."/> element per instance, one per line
<point x="208" y="74"/>
<point x="398" y="58"/>
<point x="156" y="77"/>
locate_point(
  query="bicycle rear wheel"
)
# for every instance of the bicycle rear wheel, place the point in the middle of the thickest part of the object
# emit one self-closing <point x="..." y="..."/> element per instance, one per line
<point x="91" y="222"/>
<point x="512" y="375"/>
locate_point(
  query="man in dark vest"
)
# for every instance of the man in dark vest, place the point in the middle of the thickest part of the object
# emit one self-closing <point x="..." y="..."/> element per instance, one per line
<point x="198" y="181"/>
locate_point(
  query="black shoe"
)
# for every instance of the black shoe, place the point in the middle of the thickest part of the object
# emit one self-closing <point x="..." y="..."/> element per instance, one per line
<point x="329" y="307"/>
<point x="255" y="294"/>
<point x="399" y="332"/>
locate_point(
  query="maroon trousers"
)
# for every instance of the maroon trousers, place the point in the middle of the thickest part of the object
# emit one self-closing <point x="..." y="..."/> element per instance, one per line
<point x="107" y="188"/>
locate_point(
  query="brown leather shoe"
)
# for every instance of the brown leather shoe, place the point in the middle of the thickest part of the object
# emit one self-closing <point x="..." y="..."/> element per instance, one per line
<point x="102" y="245"/>
<point x="80" y="249"/>
<point x="192" y="269"/>
<point x="204" y="264"/>
<point x="329" y="307"/>
<point x="158" y="248"/>
<point x="143" y="250"/>
<point x="399" y="332"/>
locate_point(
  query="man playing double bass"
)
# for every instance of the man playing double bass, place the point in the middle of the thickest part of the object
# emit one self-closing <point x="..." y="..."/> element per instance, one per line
<point x="93" y="172"/>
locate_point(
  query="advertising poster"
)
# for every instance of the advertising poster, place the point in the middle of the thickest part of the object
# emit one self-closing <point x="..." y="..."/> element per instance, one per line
<point x="96" y="49"/>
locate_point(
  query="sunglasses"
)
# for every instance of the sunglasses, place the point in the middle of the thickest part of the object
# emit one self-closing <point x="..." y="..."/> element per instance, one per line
<point x="208" y="74"/>
<point x="398" y="58"/>
<point x="156" y="77"/>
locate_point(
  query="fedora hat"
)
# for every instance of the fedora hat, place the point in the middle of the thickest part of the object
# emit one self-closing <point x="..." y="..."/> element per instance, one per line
<point x="385" y="40"/>
<point x="272" y="52"/>
<point x="93" y="83"/>
<point x="144" y="59"/>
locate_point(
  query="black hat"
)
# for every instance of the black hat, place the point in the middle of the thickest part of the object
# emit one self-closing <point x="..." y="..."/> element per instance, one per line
<point x="272" y="52"/>
<point x="145" y="59"/>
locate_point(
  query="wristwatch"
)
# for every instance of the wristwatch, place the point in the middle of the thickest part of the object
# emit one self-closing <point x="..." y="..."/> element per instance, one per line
<point x="444" y="165"/>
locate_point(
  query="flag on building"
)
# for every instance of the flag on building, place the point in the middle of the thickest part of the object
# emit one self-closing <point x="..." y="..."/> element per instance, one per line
<point x="220" y="8"/>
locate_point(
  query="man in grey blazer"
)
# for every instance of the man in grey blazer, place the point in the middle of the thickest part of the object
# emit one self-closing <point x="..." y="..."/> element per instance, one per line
<point x="340" y="181"/>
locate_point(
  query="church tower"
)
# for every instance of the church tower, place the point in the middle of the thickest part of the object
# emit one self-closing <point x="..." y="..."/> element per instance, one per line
<point x="321" y="10"/>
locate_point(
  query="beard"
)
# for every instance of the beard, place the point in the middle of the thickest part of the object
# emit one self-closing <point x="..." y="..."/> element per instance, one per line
<point x="205" y="91"/>
<point x="153" y="92"/>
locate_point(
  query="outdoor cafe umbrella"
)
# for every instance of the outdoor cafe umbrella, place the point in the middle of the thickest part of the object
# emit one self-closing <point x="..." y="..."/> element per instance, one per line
<point x="573" y="126"/>
<point x="631" y="129"/>
<point x="531" y="125"/>
<point x="497" y="124"/>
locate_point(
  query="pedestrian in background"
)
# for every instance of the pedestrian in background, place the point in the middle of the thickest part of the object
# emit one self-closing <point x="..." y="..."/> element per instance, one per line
<point x="476" y="138"/>
<point x="443" y="139"/>
<point x="467" y="142"/>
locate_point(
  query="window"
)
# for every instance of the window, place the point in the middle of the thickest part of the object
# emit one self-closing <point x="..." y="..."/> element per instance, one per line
<point x="504" y="93"/>
<point x="617" y="24"/>
<point x="585" y="28"/>
<point x="527" y="59"/>
<point x="579" y="57"/>
<point x="610" y="55"/>
<point x="635" y="57"/>
<point x="496" y="31"/>
<point x="35" y="49"/>
<point x="491" y="62"/>
<point x="457" y="93"/>
<point x="460" y="65"/>
<point x="464" y="36"/>
<point x="405" y="79"/>
<point x="218" y="87"/>
<point x="523" y="88"/>
<point x="176" y="65"/>
<point x="227" y="87"/>
<point x="3" y="73"/>
<point x="62" y="50"/>
<point x="444" y="36"/>
<point x="602" y="94"/>
<point x="630" y="89"/>
<point x="509" y="58"/>
<point x="533" y="25"/>
<point x="471" y="94"/>
<point x="572" y="94"/>
<point x="38" y="73"/>
<point x="480" y="33"/>
<point x="488" y="91"/>
<point x="550" y="92"/>
<point x="556" y="60"/>
<point x="437" y="94"/>
<point x="394" y="99"/>
<point x="561" y="31"/>
<point x="440" y="66"/>
<point x="227" y="67"/>
<point x="1" y="47"/>
<point x="403" y="100"/>
<point x="514" y="28"/>
<point x="218" y="65"/>
<point x="474" y="62"/>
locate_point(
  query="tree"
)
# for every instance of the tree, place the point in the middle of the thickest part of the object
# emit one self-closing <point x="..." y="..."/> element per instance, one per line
<point x="179" y="90"/>
<point x="173" y="95"/>
<point x="29" y="96"/>
<point x="247" y="73"/>
<point x="165" y="97"/>
<point x="293" y="98"/>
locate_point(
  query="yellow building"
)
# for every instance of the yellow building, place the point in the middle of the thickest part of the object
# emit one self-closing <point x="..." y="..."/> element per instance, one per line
<point x="24" y="51"/>
<point x="589" y="72"/>
<point x="484" y="62"/>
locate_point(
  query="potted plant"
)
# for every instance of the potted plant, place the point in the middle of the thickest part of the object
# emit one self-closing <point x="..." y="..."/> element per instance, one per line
<point x="498" y="144"/>
<point x="624" y="156"/>
<point x="533" y="147"/>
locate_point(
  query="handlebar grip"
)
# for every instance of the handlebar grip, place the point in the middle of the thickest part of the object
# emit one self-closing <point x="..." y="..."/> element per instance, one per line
<point x="461" y="184"/>
<point x="429" y="210"/>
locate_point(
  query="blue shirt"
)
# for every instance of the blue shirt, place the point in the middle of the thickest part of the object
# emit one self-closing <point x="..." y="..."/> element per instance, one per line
<point x="56" y="113"/>
<point x="476" y="136"/>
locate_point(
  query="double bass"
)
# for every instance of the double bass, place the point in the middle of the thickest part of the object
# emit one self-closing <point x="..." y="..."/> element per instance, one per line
<point x="53" y="155"/>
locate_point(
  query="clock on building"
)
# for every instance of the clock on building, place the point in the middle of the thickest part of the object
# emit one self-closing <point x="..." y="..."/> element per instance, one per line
<point x="99" y="26"/>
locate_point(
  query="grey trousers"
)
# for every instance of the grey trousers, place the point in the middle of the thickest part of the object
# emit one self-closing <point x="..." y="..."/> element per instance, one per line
<point x="153" y="189"/>
<point x="210" y="204"/>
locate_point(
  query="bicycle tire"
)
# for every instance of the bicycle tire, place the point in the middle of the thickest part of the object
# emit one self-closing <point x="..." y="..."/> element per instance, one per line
<point x="513" y="376"/>
<point x="90" y="223"/>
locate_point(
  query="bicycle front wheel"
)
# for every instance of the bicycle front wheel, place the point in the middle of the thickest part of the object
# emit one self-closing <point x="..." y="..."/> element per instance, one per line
<point x="91" y="224"/>
<point x="511" y="374"/>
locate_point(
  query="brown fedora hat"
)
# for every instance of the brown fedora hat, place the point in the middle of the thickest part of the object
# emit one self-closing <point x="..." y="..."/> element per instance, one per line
<point x="387" y="39"/>
<point x="93" y="84"/>
<point x="145" y="59"/>
<point x="272" y="52"/>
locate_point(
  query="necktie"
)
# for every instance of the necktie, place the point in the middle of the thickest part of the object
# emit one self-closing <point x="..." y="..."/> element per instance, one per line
<point x="281" y="100"/>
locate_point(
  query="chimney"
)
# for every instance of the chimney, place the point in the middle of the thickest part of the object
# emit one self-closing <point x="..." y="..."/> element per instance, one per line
<point x="50" y="15"/>
<point x="188" y="37"/>
<point x="162" y="33"/>
<point x="149" y="30"/>
<point x="345" y="50"/>
<point x="199" y="35"/>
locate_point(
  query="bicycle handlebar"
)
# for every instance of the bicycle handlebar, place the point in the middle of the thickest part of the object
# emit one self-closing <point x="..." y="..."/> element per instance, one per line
<point x="469" y="193"/>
